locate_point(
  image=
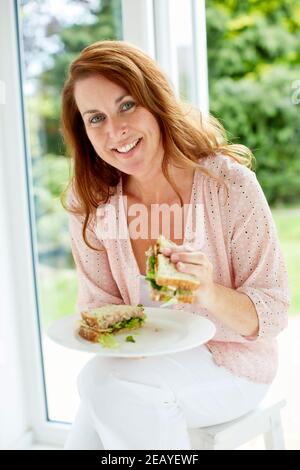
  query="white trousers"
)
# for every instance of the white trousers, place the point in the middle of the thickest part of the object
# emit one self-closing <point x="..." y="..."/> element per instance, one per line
<point x="150" y="403"/>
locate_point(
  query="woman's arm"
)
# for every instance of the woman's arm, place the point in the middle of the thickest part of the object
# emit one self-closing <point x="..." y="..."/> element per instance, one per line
<point x="234" y="309"/>
<point x="95" y="282"/>
<point x="257" y="305"/>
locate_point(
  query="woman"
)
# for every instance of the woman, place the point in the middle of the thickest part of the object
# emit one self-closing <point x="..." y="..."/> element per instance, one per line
<point x="132" y="142"/>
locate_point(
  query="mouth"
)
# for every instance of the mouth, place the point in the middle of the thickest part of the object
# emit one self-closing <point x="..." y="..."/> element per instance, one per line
<point x="130" y="152"/>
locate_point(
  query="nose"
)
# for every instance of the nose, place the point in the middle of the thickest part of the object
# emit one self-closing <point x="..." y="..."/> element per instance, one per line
<point x="116" y="130"/>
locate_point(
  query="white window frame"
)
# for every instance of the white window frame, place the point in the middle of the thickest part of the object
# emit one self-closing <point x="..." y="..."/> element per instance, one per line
<point x="16" y="207"/>
<point x="166" y="53"/>
<point x="200" y="55"/>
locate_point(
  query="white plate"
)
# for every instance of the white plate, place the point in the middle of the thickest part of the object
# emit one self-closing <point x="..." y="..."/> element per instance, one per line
<point x="165" y="331"/>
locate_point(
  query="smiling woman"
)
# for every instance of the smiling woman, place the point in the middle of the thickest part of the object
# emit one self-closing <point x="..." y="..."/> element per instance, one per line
<point x="132" y="140"/>
<point x="96" y="124"/>
<point x="122" y="128"/>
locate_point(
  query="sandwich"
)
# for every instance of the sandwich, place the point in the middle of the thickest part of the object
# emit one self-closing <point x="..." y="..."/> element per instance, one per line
<point x="100" y="324"/>
<point x="166" y="282"/>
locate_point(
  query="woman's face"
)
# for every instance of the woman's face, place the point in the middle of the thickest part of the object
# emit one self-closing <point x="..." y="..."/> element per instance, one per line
<point x="114" y="122"/>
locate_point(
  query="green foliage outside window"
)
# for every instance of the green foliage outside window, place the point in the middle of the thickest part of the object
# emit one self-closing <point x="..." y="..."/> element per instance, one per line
<point x="254" y="62"/>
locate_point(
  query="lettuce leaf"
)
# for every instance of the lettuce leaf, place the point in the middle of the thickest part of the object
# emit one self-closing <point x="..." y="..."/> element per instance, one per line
<point x="153" y="283"/>
<point x="151" y="263"/>
<point x="130" y="339"/>
<point x="108" y="341"/>
<point x="132" y="323"/>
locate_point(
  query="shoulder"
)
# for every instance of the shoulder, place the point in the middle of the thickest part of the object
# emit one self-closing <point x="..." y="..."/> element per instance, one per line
<point x="233" y="185"/>
<point x="232" y="172"/>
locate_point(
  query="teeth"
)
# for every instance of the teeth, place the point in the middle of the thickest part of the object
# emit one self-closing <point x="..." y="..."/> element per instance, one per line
<point x="128" y="147"/>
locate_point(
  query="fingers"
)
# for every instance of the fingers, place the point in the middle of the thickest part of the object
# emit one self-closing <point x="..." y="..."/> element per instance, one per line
<point x="203" y="271"/>
<point x="165" y="251"/>
<point x="196" y="257"/>
<point x="187" y="260"/>
<point x="176" y="249"/>
<point x="189" y="268"/>
<point x="184" y="255"/>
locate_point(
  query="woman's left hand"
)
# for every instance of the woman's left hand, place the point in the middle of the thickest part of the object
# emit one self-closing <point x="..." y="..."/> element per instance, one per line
<point x="194" y="262"/>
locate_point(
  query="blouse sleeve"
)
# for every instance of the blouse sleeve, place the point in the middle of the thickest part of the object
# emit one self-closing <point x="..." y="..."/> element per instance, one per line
<point x="259" y="269"/>
<point x="95" y="282"/>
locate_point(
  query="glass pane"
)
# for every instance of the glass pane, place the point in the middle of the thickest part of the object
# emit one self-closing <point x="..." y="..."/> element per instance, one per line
<point x="182" y="45"/>
<point x="254" y="88"/>
<point x="53" y="33"/>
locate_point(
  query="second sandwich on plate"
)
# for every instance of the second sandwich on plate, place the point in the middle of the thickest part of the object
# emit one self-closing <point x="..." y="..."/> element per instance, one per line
<point x="98" y="325"/>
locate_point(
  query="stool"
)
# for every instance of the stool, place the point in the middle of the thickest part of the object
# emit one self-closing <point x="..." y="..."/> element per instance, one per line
<point x="265" y="419"/>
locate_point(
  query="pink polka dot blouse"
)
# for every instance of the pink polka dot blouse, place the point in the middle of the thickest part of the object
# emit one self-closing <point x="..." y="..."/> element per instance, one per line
<point x="239" y="237"/>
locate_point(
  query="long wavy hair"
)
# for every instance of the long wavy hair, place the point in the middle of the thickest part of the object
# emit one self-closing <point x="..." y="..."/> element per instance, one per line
<point x="187" y="135"/>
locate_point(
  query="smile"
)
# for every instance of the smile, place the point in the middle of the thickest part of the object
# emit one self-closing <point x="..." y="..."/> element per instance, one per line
<point x="129" y="149"/>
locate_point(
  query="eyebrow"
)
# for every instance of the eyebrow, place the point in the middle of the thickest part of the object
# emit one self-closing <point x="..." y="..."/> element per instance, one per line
<point x="91" y="111"/>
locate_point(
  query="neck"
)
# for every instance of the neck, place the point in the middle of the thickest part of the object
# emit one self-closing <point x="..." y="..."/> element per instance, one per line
<point x="153" y="187"/>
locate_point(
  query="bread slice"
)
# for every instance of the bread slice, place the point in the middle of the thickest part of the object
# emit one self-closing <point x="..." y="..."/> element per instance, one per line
<point x="106" y="316"/>
<point x="93" y="335"/>
<point x="106" y="320"/>
<point x="89" y="334"/>
<point x="167" y="275"/>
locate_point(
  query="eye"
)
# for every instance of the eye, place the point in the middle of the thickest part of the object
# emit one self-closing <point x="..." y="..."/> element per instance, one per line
<point x="128" y="104"/>
<point x="96" y="119"/>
